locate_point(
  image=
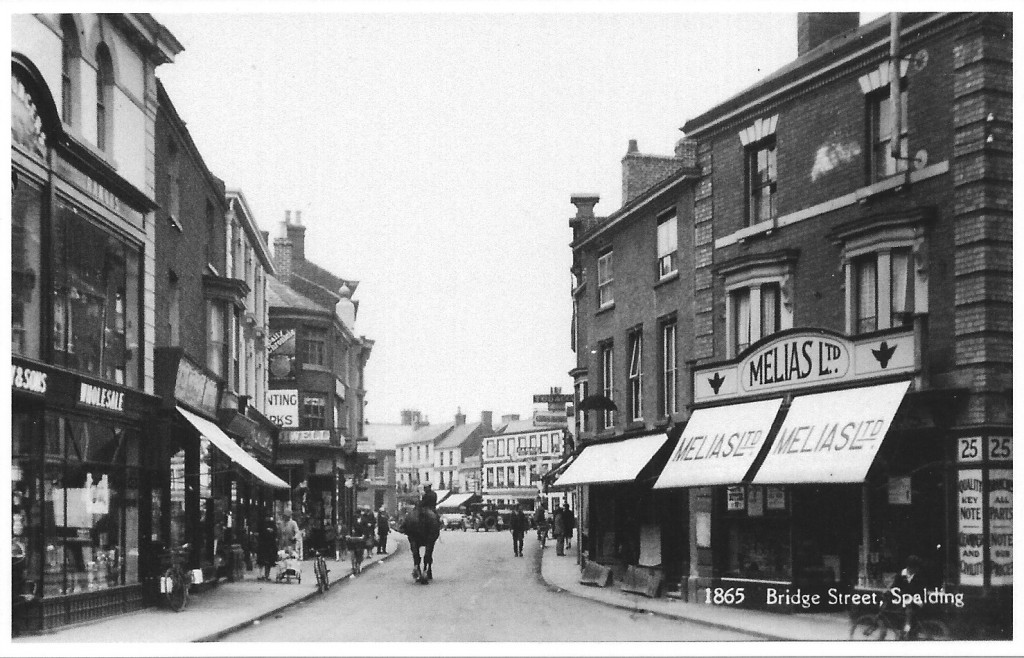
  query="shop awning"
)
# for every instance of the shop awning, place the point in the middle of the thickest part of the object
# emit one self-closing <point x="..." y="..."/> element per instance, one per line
<point x="719" y="445"/>
<point x="441" y="494"/>
<point x="612" y="462"/>
<point x="831" y="437"/>
<point x="454" y="501"/>
<point x="553" y="475"/>
<point x="233" y="451"/>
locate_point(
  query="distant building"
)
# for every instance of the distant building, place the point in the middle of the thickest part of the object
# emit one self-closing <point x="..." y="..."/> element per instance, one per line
<point x="514" y="459"/>
<point x="381" y="485"/>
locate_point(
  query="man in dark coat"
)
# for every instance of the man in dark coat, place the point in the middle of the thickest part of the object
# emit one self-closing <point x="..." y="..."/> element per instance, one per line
<point x="429" y="499"/>
<point x="382" y="531"/>
<point x="568" y="523"/>
<point x="911" y="582"/>
<point x="518" y="524"/>
<point x="266" y="546"/>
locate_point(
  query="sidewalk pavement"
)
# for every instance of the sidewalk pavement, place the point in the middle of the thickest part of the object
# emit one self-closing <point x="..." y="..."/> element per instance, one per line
<point x="211" y="614"/>
<point x="563" y="573"/>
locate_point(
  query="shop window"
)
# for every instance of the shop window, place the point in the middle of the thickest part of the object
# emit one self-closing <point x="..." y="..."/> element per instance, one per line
<point x="880" y="131"/>
<point x="69" y="70"/>
<point x="636" y="391"/>
<point x="608" y="383"/>
<point x="669" y="374"/>
<point x="95" y="299"/>
<point x="26" y="252"/>
<point x="605" y="279"/>
<point x="762" y="178"/>
<point x="314" y="413"/>
<point x="104" y="97"/>
<point x="668" y="245"/>
<point x="86" y="512"/>
<point x="216" y="344"/>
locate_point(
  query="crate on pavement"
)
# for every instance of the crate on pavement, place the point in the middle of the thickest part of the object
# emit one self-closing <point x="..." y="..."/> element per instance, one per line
<point x="595" y="575"/>
<point x="642" y="580"/>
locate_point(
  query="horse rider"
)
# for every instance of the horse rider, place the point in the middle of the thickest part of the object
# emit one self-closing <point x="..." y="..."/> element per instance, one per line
<point x="429" y="498"/>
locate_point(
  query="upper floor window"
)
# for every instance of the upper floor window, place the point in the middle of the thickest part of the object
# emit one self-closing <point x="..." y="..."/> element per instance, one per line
<point x="69" y="69"/>
<point x="314" y="346"/>
<point x="173" y="309"/>
<point x="104" y="97"/>
<point x="885" y="274"/>
<point x="490" y="476"/>
<point x="582" y="390"/>
<point x="490" y="448"/>
<point x="216" y="343"/>
<point x="755" y="312"/>
<point x="636" y="397"/>
<point x="545" y="443"/>
<point x="605" y="277"/>
<point x="608" y="383"/>
<point x="501" y="448"/>
<point x="95" y="279"/>
<point x="26" y="268"/>
<point x="885" y="258"/>
<point x="669" y="375"/>
<point x="880" y="133"/>
<point x="761" y="181"/>
<point x="668" y="245"/>
<point x="758" y="140"/>
<point x="314" y="412"/>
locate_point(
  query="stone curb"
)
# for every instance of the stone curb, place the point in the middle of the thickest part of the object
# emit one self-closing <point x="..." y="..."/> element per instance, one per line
<point x="539" y="566"/>
<point x="234" y="628"/>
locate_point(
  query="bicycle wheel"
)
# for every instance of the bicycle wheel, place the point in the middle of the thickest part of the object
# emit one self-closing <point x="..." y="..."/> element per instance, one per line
<point x="868" y="627"/>
<point x="932" y="629"/>
<point x="177" y="593"/>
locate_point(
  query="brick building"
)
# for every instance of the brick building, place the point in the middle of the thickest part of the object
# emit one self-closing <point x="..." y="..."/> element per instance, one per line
<point x="847" y="262"/>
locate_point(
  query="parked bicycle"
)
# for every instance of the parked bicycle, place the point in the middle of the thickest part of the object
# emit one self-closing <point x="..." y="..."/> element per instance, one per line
<point x="323" y="582"/>
<point x="175" y="579"/>
<point x="889" y="622"/>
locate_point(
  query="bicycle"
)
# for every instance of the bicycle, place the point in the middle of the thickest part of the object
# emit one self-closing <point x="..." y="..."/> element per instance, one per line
<point x="878" y="625"/>
<point x="175" y="581"/>
<point x="320" y="570"/>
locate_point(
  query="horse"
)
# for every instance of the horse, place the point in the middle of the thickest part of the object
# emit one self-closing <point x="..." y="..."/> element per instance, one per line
<point x="422" y="527"/>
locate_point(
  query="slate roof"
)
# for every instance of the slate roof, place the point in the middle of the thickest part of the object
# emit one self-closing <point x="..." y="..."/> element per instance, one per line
<point x="281" y="296"/>
<point x="385" y="436"/>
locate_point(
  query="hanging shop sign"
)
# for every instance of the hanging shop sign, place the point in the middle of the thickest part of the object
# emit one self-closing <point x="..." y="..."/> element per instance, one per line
<point x="970" y="510"/>
<point x="195" y="388"/>
<point x="800" y="358"/>
<point x="281" y="354"/>
<point x="283" y="407"/>
<point x="1000" y="526"/>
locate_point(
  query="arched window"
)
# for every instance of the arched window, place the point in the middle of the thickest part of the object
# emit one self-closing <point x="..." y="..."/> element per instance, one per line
<point x="104" y="96"/>
<point x="69" y="69"/>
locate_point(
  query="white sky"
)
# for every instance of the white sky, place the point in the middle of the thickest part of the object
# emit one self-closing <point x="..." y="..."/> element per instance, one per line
<point x="433" y="156"/>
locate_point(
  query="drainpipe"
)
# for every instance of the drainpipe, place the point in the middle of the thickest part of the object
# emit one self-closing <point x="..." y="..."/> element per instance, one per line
<point x="894" y="84"/>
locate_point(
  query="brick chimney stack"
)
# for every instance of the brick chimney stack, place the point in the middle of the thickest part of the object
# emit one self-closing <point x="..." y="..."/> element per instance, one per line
<point x="584" y="218"/>
<point x="460" y="418"/>
<point x="283" y="250"/>
<point x="486" y="419"/>
<point x="297" y="235"/>
<point x="815" y="28"/>
<point x="641" y="170"/>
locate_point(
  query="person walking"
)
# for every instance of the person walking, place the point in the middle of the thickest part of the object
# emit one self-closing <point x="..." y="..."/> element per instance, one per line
<point x="266" y="546"/>
<point x="518" y="524"/>
<point x="568" y="524"/>
<point x="290" y="533"/>
<point x="382" y="531"/>
<point x="558" y="530"/>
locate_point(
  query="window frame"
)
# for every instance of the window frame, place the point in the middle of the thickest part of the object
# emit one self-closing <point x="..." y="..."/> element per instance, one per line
<point x="668" y="254"/>
<point x="314" y="343"/>
<point x="756" y="186"/>
<point x="605" y="279"/>
<point x="313" y="421"/>
<point x="634" y="376"/>
<point x="669" y="368"/>
<point x="608" y="382"/>
<point x="876" y="146"/>
<point x="104" y="98"/>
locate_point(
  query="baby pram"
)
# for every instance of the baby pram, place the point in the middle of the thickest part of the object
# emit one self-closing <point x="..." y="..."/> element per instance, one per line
<point x="288" y="566"/>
